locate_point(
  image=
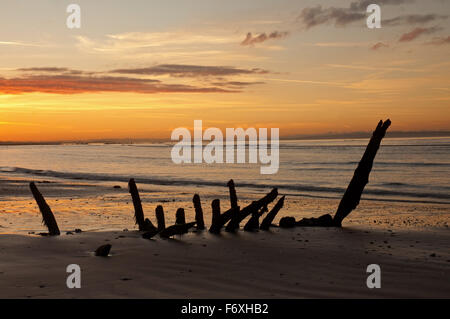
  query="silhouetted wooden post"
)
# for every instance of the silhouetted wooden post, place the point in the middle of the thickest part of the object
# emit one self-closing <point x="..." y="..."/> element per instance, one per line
<point x="159" y="212"/>
<point x="47" y="216"/>
<point x="267" y="222"/>
<point x="360" y="178"/>
<point x="180" y="216"/>
<point x="198" y="212"/>
<point x="253" y="222"/>
<point x="233" y="196"/>
<point x="144" y="225"/>
<point x="233" y="224"/>
<point x="216" y="225"/>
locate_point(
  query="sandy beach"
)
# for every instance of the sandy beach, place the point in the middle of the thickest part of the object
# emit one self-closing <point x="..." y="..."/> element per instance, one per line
<point x="282" y="263"/>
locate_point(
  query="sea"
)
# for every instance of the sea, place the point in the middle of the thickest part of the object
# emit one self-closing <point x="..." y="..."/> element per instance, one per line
<point x="405" y="169"/>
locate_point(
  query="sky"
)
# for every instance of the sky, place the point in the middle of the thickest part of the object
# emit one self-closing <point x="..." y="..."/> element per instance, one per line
<point x="139" y="69"/>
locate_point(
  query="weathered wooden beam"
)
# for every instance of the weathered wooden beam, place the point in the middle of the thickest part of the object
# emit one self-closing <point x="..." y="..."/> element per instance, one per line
<point x="198" y="212"/>
<point x="176" y="230"/>
<point x="254" y="207"/>
<point x="216" y="224"/>
<point x="144" y="225"/>
<point x="47" y="215"/>
<point x="159" y="212"/>
<point x="352" y="195"/>
<point x="267" y="222"/>
<point x="180" y="216"/>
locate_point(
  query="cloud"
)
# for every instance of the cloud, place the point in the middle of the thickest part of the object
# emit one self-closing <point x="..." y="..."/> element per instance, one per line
<point x="414" y="34"/>
<point x="412" y="19"/>
<point x="236" y="84"/>
<point x="379" y="45"/>
<point x="185" y="70"/>
<point x="251" y="40"/>
<point x="339" y="16"/>
<point x="314" y="16"/>
<point x="440" y="41"/>
<point x="53" y="70"/>
<point x="73" y="84"/>
<point x="58" y="80"/>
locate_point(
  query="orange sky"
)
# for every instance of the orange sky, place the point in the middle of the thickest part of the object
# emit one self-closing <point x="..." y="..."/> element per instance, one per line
<point x="131" y="72"/>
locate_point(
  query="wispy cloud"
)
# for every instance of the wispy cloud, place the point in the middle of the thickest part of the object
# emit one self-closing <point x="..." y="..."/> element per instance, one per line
<point x="417" y="32"/>
<point x="440" y="41"/>
<point x="263" y="37"/>
<point x="412" y="19"/>
<point x="379" y="45"/>
<point x="340" y="16"/>
<point x="183" y="70"/>
<point x="58" y="80"/>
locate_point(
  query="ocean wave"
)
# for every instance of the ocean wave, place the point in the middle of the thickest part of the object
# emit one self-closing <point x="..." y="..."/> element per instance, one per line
<point x="286" y="186"/>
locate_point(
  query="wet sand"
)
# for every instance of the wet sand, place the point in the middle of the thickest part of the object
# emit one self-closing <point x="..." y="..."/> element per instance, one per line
<point x="408" y="241"/>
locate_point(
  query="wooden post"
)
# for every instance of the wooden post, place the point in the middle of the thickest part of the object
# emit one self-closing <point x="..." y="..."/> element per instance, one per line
<point x="216" y="225"/>
<point x="198" y="212"/>
<point x="253" y="222"/>
<point x="253" y="208"/>
<point x="233" y="196"/>
<point x="47" y="215"/>
<point x="267" y="222"/>
<point x="180" y="216"/>
<point x="159" y="211"/>
<point x="360" y="178"/>
<point x="144" y="225"/>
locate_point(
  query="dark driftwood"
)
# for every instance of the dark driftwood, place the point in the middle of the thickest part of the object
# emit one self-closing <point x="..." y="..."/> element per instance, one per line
<point x="144" y="225"/>
<point x="322" y="221"/>
<point x="233" y="196"/>
<point x="267" y="222"/>
<point x="180" y="216"/>
<point x="47" y="216"/>
<point x="253" y="208"/>
<point x="176" y="230"/>
<point x="150" y="234"/>
<point x="360" y="178"/>
<point x="253" y="223"/>
<point x="198" y="212"/>
<point x="159" y="212"/>
<point x="216" y="224"/>
<point x="287" y="222"/>
<point x="103" y="251"/>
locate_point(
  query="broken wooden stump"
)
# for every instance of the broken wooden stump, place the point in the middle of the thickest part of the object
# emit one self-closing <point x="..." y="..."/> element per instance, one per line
<point x="47" y="215"/>
<point x="267" y="222"/>
<point x="216" y="224"/>
<point x="176" y="230"/>
<point x="159" y="212"/>
<point x="144" y="224"/>
<point x="360" y="178"/>
<point x="254" y="207"/>
<point x="198" y="212"/>
<point x="103" y="251"/>
<point x="180" y="217"/>
<point x="287" y="222"/>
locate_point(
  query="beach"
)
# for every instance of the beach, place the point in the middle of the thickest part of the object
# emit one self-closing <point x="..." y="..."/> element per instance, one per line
<point x="401" y="224"/>
<point x="408" y="240"/>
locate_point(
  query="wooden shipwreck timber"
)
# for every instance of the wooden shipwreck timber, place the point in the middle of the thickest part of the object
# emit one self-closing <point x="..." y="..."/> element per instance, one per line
<point x="231" y="219"/>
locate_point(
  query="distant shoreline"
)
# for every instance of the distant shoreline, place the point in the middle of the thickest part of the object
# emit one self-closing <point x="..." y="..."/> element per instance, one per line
<point x="331" y="136"/>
